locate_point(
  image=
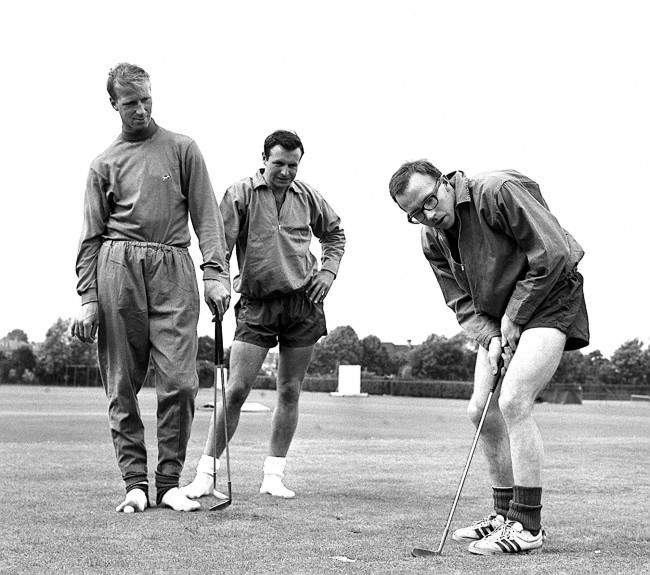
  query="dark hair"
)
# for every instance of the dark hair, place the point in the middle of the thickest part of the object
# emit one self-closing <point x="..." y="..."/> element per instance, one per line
<point x="288" y="140"/>
<point x="402" y="176"/>
<point x="124" y="74"/>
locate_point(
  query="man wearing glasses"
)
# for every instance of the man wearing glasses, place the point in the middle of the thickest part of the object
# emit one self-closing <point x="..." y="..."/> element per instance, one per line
<point x="509" y="271"/>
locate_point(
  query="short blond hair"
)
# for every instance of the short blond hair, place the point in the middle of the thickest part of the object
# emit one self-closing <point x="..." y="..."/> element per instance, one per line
<point x="124" y="74"/>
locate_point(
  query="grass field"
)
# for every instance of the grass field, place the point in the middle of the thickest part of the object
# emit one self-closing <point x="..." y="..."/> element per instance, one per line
<point x="373" y="476"/>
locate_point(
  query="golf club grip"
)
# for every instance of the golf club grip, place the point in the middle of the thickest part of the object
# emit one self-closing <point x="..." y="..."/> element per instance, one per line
<point x="497" y="377"/>
<point x="218" y="342"/>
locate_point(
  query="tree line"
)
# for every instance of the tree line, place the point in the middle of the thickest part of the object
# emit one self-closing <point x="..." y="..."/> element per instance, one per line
<point x="438" y="357"/>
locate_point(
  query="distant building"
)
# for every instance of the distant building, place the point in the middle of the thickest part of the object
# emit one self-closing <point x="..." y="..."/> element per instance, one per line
<point x="393" y="348"/>
<point x="9" y="345"/>
<point x="399" y="349"/>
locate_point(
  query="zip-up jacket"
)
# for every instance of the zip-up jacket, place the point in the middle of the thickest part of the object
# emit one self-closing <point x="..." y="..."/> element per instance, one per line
<point x="512" y="252"/>
<point x="273" y="248"/>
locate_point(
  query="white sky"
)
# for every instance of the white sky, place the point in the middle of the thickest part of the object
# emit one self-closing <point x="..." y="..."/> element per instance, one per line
<point x="557" y="90"/>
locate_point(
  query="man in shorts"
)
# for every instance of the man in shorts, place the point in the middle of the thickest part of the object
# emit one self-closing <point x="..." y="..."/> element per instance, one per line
<point x="508" y="270"/>
<point x="269" y="219"/>
<point x="138" y="286"/>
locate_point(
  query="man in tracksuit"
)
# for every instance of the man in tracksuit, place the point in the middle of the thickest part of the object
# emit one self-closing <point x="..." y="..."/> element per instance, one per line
<point x="508" y="270"/>
<point x="270" y="219"/>
<point x="138" y="285"/>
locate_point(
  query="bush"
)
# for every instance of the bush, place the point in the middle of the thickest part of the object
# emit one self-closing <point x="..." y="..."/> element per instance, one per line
<point x="323" y="384"/>
<point x="428" y="388"/>
<point x="376" y="386"/>
<point x="205" y="370"/>
<point x="264" y="382"/>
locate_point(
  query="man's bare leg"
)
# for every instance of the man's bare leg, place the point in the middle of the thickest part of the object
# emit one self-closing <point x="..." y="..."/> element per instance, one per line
<point x="494" y="435"/>
<point x="245" y="362"/>
<point x="538" y="354"/>
<point x="291" y="372"/>
<point x="536" y="358"/>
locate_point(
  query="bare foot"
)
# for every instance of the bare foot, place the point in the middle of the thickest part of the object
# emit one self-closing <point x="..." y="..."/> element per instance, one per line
<point x="135" y="500"/>
<point x="175" y="499"/>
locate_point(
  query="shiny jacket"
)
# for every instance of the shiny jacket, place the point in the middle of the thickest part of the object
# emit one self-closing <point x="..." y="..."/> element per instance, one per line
<point x="512" y="252"/>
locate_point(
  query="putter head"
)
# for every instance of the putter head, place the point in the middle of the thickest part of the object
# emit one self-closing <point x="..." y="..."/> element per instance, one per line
<point x="221" y="505"/>
<point x="418" y="552"/>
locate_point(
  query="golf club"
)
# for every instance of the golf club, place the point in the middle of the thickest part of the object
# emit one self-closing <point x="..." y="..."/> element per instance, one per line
<point x="219" y="365"/>
<point x="421" y="552"/>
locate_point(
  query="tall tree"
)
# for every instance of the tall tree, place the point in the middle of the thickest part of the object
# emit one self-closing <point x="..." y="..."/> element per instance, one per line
<point x="441" y="358"/>
<point x="374" y="357"/>
<point x="341" y="346"/>
<point x="574" y="367"/>
<point x="18" y="334"/>
<point x="23" y="358"/>
<point x="206" y="348"/>
<point x="631" y="363"/>
<point x="60" y="350"/>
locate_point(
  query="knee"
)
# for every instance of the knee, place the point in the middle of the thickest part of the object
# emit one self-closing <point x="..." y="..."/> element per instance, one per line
<point x="289" y="393"/>
<point x="188" y="387"/>
<point x="513" y="407"/>
<point x="184" y="388"/>
<point x="237" y="394"/>
<point x="170" y="380"/>
<point x="493" y="422"/>
<point x="475" y="411"/>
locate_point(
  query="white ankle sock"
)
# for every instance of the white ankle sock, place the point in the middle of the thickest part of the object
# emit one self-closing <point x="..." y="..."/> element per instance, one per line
<point x="204" y="480"/>
<point x="273" y="474"/>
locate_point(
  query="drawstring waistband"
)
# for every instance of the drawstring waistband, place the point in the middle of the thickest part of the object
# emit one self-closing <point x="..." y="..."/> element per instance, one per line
<point x="148" y="245"/>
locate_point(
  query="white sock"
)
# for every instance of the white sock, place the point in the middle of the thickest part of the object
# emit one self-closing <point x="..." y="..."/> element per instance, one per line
<point x="273" y="474"/>
<point x="204" y="480"/>
<point x="178" y="501"/>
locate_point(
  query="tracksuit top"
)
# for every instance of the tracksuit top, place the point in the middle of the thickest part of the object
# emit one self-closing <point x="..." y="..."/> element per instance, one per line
<point x="142" y="190"/>
<point x="512" y="252"/>
<point x="273" y="248"/>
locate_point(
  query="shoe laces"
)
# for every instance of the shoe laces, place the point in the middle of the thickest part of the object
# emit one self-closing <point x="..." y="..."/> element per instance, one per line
<point x="486" y="520"/>
<point x="503" y="531"/>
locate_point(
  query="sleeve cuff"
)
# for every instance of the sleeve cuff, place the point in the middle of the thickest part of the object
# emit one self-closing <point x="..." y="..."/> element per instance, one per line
<point x="89" y="296"/>
<point x="484" y="340"/>
<point x="210" y="273"/>
<point x="331" y="266"/>
<point x="517" y="312"/>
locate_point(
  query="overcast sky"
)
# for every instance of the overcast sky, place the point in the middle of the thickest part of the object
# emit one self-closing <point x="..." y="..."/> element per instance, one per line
<point x="557" y="90"/>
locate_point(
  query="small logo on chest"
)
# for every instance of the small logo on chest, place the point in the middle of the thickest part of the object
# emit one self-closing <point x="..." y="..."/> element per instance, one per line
<point x="166" y="177"/>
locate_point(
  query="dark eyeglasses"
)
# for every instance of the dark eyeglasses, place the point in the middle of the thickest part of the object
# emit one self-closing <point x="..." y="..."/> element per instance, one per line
<point x="430" y="203"/>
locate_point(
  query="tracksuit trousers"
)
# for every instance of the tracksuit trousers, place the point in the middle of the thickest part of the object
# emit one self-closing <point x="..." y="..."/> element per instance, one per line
<point x="148" y="313"/>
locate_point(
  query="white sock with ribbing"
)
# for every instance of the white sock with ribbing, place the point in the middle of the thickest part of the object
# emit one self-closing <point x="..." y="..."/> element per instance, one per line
<point x="273" y="474"/>
<point x="202" y="483"/>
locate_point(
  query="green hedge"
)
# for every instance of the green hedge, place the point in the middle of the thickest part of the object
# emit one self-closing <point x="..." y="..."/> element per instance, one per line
<point x="428" y="388"/>
<point x="404" y="387"/>
<point x="419" y="387"/>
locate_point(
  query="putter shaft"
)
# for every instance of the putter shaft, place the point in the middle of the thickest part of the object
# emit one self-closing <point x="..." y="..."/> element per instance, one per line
<point x="219" y="365"/>
<point x="420" y="552"/>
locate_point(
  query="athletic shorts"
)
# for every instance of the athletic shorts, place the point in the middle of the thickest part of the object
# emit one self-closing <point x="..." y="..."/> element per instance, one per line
<point x="564" y="309"/>
<point x="291" y="319"/>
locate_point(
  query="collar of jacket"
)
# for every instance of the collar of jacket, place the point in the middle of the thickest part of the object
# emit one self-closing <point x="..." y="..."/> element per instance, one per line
<point x="461" y="186"/>
<point x="260" y="182"/>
